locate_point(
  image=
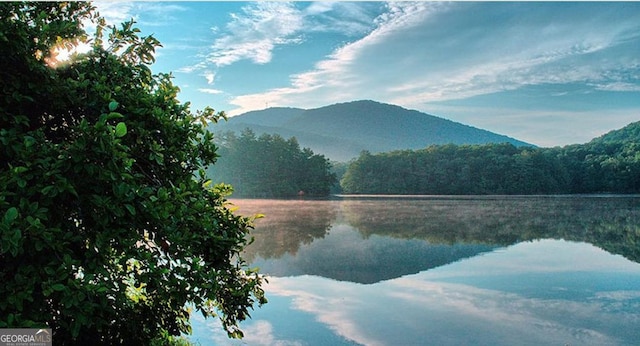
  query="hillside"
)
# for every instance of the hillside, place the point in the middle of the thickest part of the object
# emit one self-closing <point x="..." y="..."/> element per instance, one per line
<point x="627" y="135"/>
<point x="342" y="131"/>
<point x="607" y="164"/>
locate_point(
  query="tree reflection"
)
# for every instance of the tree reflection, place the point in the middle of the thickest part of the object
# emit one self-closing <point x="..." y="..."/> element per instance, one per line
<point x="287" y="224"/>
<point x="451" y="228"/>
<point x="611" y="223"/>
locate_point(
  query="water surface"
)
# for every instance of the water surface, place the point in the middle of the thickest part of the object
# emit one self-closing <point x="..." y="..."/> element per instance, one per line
<point x="557" y="270"/>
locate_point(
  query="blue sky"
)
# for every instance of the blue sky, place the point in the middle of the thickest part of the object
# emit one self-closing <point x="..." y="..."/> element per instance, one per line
<point x="549" y="73"/>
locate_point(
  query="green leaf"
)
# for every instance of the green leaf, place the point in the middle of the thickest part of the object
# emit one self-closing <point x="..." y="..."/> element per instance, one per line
<point x="113" y="105"/>
<point x="114" y="115"/>
<point x="121" y="129"/>
<point x="58" y="287"/>
<point x="131" y="209"/>
<point x="10" y="215"/>
<point x="45" y="190"/>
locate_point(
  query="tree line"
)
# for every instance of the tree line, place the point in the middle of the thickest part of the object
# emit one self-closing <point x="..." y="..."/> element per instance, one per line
<point x="270" y="166"/>
<point x="609" y="164"/>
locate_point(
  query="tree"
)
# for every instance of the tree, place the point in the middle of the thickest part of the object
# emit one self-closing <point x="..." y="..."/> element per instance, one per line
<point x="270" y="166"/>
<point x="109" y="231"/>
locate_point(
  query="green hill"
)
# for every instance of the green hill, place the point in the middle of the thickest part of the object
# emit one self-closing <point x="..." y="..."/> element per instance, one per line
<point x="628" y="134"/>
<point x="341" y="131"/>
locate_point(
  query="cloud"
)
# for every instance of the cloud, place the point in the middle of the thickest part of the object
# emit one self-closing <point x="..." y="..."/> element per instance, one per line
<point x="347" y="18"/>
<point x="260" y="27"/>
<point x="191" y="68"/>
<point x="254" y="33"/>
<point x="416" y="308"/>
<point x="257" y="332"/>
<point x="618" y="86"/>
<point x="332" y="78"/>
<point x="427" y="52"/>
<point x="154" y="14"/>
<point x="332" y="304"/>
<point x="261" y="333"/>
<point x="424" y="306"/>
<point x="210" y="91"/>
<point x="209" y="76"/>
<point x="116" y="12"/>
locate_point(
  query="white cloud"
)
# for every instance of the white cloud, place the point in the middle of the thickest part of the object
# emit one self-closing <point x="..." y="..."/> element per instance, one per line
<point x="261" y="333"/>
<point x="116" y="12"/>
<point x="154" y="13"/>
<point x="425" y="52"/>
<point x="424" y="305"/>
<point x="618" y="86"/>
<point x="253" y="34"/>
<point x="333" y="77"/>
<point x="332" y="304"/>
<point x="347" y="18"/>
<point x="210" y="91"/>
<point x="191" y="68"/>
<point x="210" y="77"/>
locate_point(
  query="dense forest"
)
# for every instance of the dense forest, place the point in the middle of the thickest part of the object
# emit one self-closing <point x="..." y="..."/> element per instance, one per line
<point x="270" y="166"/>
<point x="608" y="164"/>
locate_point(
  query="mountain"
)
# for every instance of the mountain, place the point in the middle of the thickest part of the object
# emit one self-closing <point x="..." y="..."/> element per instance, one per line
<point x="341" y="131"/>
<point x="628" y="134"/>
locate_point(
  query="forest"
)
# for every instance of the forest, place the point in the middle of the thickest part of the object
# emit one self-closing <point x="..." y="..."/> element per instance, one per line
<point x="270" y="166"/>
<point x="608" y="164"/>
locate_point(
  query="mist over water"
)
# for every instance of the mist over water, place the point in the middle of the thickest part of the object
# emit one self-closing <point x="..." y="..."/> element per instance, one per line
<point x="444" y="270"/>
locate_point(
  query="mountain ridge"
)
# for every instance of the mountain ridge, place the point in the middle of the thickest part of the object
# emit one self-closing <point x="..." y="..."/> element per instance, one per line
<point x="341" y="131"/>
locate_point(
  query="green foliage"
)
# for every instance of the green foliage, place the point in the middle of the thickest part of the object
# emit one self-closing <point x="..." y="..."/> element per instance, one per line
<point x="608" y="164"/>
<point x="270" y="166"/>
<point x="106" y="233"/>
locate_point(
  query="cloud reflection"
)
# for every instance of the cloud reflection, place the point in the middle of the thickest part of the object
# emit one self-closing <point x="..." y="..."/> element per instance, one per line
<point x="423" y="308"/>
<point x="258" y="332"/>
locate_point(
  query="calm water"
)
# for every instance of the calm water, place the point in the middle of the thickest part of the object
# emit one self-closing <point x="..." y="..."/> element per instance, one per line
<point x="444" y="271"/>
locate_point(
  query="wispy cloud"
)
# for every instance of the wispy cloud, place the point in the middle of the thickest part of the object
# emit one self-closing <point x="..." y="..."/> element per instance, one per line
<point x="424" y="305"/>
<point x="261" y="333"/>
<point x="421" y="53"/>
<point x="617" y="86"/>
<point x="348" y="18"/>
<point x="210" y="91"/>
<point x="254" y="33"/>
<point x="155" y="14"/>
<point x="332" y="79"/>
<point x="328" y="304"/>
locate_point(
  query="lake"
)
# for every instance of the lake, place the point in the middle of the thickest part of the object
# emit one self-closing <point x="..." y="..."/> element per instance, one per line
<point x="433" y="270"/>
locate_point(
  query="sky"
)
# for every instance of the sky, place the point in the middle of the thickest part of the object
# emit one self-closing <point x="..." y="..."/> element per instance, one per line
<point x="547" y="73"/>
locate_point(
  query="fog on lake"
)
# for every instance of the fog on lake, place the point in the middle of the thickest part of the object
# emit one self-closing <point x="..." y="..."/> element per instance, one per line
<point x="455" y="270"/>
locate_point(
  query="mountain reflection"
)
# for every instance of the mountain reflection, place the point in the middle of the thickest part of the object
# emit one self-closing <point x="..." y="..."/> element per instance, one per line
<point x="369" y="239"/>
<point x="287" y="224"/>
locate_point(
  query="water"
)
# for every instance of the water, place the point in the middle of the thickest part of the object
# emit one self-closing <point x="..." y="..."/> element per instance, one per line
<point x="557" y="270"/>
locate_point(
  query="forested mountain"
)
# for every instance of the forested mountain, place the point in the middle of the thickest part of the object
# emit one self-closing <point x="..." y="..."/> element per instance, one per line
<point x="471" y="161"/>
<point x="341" y="131"/>
<point x="608" y="164"/>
